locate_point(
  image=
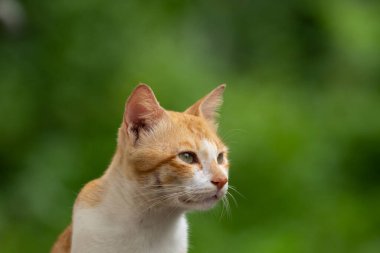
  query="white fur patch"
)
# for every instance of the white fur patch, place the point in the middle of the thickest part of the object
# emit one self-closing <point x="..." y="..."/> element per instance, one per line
<point x="110" y="228"/>
<point x="209" y="149"/>
<point x="207" y="153"/>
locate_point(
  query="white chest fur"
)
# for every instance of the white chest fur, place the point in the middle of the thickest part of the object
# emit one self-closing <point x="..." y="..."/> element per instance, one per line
<point x="92" y="233"/>
<point x="103" y="229"/>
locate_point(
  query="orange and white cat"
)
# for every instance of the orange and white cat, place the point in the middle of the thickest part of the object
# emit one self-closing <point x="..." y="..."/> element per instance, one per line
<point x="166" y="163"/>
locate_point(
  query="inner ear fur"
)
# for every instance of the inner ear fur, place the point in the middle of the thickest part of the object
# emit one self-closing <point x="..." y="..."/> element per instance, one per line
<point x="142" y="110"/>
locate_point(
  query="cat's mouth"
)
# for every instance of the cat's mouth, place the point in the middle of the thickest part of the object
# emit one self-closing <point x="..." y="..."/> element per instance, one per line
<point x="200" y="203"/>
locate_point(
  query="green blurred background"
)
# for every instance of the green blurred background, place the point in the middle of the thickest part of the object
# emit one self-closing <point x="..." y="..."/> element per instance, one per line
<point x="301" y="112"/>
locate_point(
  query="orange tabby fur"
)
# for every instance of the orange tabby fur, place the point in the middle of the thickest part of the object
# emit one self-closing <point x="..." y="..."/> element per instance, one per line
<point x="174" y="133"/>
<point x="63" y="244"/>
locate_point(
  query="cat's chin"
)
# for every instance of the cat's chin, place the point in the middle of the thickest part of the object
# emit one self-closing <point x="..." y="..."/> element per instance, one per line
<point x="203" y="204"/>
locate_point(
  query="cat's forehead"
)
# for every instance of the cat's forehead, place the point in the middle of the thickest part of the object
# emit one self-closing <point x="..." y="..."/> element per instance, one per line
<point x="195" y="131"/>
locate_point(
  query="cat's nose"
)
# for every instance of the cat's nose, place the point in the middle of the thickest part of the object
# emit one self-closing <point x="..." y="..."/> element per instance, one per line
<point x="219" y="182"/>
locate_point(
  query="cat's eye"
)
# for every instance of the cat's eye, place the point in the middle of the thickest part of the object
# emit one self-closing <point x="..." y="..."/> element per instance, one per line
<point x="220" y="158"/>
<point x="188" y="157"/>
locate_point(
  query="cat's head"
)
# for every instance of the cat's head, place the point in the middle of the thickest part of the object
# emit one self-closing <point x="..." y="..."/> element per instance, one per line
<point x="176" y="157"/>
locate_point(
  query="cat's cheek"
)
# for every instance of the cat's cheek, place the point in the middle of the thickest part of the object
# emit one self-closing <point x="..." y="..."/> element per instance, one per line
<point x="181" y="170"/>
<point x="167" y="178"/>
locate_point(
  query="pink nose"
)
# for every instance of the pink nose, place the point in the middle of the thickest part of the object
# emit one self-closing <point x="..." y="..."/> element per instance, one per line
<point x="219" y="182"/>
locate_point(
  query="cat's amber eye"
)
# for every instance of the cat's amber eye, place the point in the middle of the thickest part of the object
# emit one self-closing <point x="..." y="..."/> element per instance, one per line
<point x="188" y="157"/>
<point x="220" y="158"/>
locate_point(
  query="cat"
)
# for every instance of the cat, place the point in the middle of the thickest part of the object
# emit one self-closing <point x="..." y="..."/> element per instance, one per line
<point x="166" y="163"/>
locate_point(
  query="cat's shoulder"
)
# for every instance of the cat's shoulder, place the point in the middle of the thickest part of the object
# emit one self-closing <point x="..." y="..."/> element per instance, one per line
<point x="91" y="194"/>
<point x="63" y="244"/>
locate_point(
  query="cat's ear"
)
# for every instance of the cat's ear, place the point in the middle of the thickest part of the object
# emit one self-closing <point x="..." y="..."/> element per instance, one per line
<point x="207" y="107"/>
<point x="142" y="110"/>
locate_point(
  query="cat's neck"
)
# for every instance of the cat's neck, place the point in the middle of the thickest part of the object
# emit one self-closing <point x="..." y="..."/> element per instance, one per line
<point x="129" y="199"/>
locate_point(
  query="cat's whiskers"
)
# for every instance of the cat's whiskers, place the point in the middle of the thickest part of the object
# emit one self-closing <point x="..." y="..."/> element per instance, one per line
<point x="233" y="198"/>
<point x="235" y="190"/>
<point x="226" y="204"/>
<point x="223" y="208"/>
<point x="227" y="212"/>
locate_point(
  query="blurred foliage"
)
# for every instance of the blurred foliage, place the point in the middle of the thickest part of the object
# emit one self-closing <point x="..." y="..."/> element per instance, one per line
<point x="301" y="113"/>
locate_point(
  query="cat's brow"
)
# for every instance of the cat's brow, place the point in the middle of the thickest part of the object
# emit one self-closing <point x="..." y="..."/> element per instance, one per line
<point x="186" y="144"/>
